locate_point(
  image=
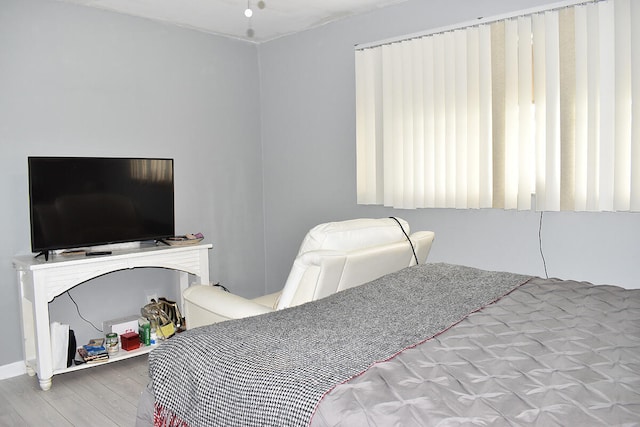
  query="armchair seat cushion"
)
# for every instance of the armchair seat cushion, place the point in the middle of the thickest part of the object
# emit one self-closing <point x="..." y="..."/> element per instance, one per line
<point x="269" y="300"/>
<point x="205" y="304"/>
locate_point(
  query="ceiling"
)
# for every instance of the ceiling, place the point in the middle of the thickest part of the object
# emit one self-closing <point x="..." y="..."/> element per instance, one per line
<point x="271" y="18"/>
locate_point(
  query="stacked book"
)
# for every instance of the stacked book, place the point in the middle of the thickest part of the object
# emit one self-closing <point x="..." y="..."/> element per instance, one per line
<point x="94" y="351"/>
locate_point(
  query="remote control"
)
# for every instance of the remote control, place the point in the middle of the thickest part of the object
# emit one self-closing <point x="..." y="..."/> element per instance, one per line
<point x="98" y="253"/>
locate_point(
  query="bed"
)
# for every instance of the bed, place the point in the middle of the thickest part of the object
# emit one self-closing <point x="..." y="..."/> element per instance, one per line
<point x="433" y="344"/>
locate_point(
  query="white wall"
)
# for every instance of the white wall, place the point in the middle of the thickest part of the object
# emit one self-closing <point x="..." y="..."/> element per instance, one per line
<point x="85" y="82"/>
<point x="308" y="136"/>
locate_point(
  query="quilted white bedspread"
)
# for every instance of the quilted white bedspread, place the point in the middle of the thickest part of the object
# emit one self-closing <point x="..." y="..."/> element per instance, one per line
<point x="552" y="353"/>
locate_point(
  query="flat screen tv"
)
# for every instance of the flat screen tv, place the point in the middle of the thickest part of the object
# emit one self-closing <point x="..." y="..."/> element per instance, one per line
<point x="78" y="202"/>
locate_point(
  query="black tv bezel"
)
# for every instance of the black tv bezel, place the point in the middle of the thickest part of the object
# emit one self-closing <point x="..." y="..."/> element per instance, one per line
<point x="45" y="249"/>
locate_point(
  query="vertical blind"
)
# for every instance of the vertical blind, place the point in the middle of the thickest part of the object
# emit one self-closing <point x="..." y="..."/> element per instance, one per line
<point x="489" y="115"/>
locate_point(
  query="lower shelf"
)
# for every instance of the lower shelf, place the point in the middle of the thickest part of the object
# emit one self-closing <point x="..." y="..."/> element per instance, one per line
<point x="121" y="355"/>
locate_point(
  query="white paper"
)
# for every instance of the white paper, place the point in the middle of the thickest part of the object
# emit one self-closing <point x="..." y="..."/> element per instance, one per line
<point x="59" y="345"/>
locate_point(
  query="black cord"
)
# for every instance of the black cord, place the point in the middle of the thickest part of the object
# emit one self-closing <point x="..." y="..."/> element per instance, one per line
<point x="408" y="239"/>
<point x="221" y="287"/>
<point x="544" y="263"/>
<point x="78" y="310"/>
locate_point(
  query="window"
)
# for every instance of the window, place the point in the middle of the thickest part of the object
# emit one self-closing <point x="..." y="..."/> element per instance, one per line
<point x="488" y="115"/>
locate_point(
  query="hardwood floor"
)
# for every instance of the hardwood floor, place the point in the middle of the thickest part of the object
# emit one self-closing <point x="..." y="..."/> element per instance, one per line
<point x="106" y="395"/>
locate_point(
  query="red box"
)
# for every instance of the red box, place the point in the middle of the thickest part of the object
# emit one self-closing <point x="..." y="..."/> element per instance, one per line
<point x="129" y="341"/>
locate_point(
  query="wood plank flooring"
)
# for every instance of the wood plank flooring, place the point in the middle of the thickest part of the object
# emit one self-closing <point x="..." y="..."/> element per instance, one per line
<point x="106" y="395"/>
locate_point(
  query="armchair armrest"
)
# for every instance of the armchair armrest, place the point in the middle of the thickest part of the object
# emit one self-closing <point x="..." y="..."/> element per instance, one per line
<point x="209" y="304"/>
<point x="422" y="241"/>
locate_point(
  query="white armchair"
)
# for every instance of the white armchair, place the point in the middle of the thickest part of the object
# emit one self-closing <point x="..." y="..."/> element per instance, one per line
<point x="333" y="257"/>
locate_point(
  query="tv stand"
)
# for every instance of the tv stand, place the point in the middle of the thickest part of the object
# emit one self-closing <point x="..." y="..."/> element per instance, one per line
<point x="40" y="282"/>
<point x="45" y="253"/>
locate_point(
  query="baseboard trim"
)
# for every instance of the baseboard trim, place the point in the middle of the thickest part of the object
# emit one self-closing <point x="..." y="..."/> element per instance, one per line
<point x="13" y="370"/>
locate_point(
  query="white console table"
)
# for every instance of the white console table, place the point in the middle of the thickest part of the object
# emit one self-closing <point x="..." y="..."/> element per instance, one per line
<point x="41" y="281"/>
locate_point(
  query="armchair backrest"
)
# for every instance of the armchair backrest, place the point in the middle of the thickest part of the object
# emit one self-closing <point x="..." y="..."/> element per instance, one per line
<point x="339" y="255"/>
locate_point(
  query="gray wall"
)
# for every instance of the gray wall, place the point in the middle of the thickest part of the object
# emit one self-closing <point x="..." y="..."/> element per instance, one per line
<point x="308" y="136"/>
<point x="84" y="82"/>
<point x="264" y="142"/>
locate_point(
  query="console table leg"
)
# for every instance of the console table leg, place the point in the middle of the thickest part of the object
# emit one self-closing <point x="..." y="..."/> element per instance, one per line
<point x="45" y="384"/>
<point x="30" y="371"/>
<point x="183" y="284"/>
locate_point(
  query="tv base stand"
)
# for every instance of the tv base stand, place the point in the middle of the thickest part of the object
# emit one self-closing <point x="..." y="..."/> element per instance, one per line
<point x="40" y="282"/>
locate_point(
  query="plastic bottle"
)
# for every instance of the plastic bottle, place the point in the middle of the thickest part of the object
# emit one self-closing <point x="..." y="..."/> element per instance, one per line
<point x="153" y="336"/>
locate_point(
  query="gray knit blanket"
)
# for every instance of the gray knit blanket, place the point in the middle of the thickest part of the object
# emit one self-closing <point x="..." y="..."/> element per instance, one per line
<point x="273" y="369"/>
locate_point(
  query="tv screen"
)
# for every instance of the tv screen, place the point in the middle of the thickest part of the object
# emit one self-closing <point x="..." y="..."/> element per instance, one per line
<point x="77" y="202"/>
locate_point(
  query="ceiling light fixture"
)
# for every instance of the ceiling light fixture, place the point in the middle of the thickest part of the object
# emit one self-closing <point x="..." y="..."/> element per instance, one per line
<point x="248" y="12"/>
